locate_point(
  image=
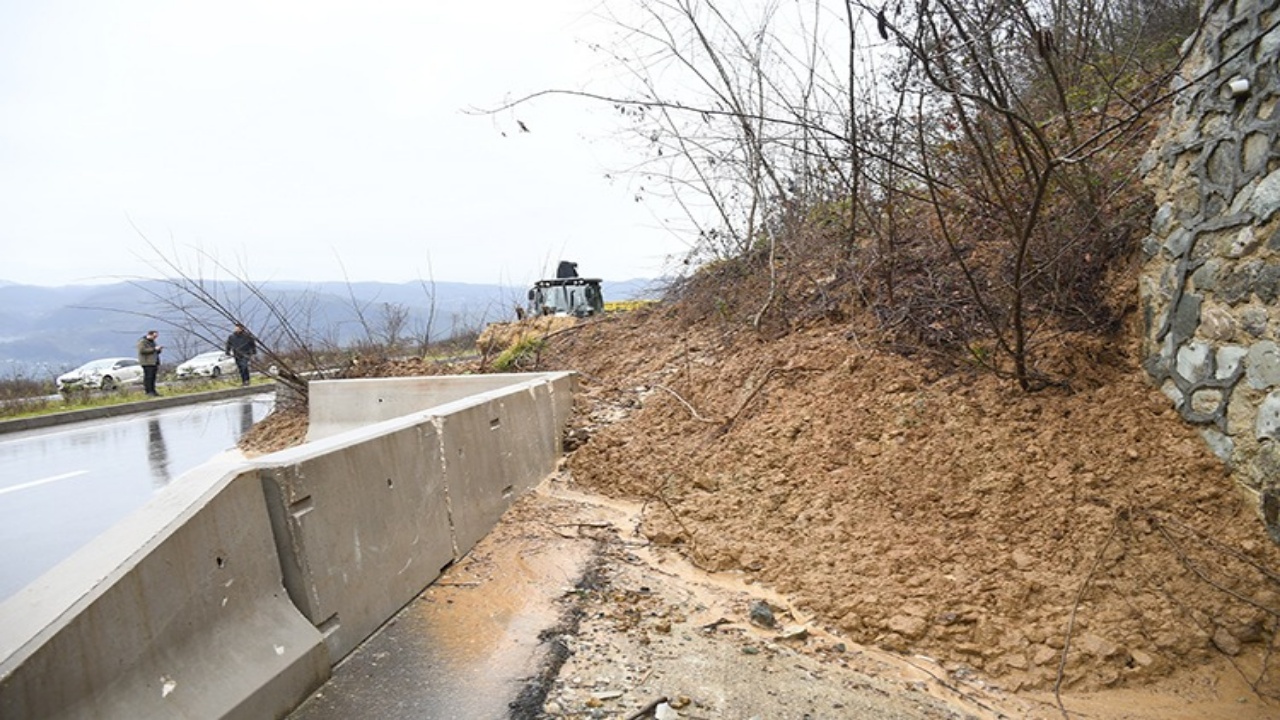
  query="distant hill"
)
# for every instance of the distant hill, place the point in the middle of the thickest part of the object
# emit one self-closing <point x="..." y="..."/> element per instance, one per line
<point x="46" y="330"/>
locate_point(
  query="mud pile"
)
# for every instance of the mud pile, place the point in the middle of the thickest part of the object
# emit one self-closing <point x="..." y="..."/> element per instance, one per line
<point x="937" y="512"/>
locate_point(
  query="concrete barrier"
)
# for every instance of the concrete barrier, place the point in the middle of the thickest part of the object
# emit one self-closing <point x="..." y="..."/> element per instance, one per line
<point x="362" y="525"/>
<point x="395" y="486"/>
<point x="494" y="448"/>
<point x="335" y="406"/>
<point x="177" y="613"/>
<point x="235" y="590"/>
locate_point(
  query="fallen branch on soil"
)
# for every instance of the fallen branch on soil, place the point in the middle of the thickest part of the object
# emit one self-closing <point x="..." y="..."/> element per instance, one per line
<point x="684" y="402"/>
<point x="1204" y="576"/>
<point x="1266" y="660"/>
<point x="1171" y="522"/>
<point x="1075" y="607"/>
<point x="693" y="548"/>
<point x="1185" y="560"/>
<point x="948" y="686"/>
<point x="579" y="526"/>
<point x="756" y="391"/>
<point x="1191" y="613"/>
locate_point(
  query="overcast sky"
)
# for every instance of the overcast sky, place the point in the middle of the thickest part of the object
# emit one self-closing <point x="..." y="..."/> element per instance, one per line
<point x="311" y="140"/>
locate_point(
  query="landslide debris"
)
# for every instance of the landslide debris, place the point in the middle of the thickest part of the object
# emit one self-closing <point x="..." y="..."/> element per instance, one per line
<point x="932" y="510"/>
<point x="1075" y="538"/>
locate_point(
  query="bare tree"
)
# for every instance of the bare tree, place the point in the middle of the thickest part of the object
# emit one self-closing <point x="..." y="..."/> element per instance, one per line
<point x="423" y="330"/>
<point x="206" y="308"/>
<point x="1022" y="115"/>
<point x="970" y="159"/>
<point x="393" y="322"/>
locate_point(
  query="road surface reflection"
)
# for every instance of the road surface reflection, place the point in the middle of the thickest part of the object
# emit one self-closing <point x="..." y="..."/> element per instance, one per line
<point x="61" y="487"/>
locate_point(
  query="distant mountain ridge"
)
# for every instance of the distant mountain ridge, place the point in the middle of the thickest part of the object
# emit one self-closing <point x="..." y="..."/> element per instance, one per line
<point x="46" y="330"/>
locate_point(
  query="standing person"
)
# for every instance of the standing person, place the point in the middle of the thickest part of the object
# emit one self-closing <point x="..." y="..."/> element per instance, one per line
<point x="242" y="347"/>
<point x="149" y="359"/>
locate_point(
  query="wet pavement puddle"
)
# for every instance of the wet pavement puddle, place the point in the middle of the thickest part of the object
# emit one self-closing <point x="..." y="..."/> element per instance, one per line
<point x="466" y="646"/>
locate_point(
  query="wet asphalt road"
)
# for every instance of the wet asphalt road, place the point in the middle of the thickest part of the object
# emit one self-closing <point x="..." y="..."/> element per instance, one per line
<point x="62" y="486"/>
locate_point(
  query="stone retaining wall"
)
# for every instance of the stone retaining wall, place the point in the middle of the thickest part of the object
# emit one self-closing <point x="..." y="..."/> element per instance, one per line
<point x="1212" y="276"/>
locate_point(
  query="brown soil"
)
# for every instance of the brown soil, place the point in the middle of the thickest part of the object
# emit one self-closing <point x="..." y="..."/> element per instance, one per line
<point x="951" y="515"/>
<point x="941" y="513"/>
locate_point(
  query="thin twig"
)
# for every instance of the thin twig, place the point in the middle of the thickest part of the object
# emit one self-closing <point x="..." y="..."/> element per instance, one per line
<point x="1218" y="545"/>
<point x="941" y="681"/>
<point x="684" y="402"/>
<point x="1204" y="577"/>
<point x="1075" y="607"/>
<point x="756" y="391"/>
<point x="693" y="545"/>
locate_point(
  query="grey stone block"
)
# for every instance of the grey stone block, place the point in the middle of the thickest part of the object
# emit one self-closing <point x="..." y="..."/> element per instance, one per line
<point x="1267" y="285"/>
<point x="1163" y="221"/>
<point x="1228" y="360"/>
<point x="1206" y="276"/>
<point x="1193" y="361"/>
<point x="1179" y="242"/>
<point x="1254" y="321"/>
<point x="1186" y="316"/>
<point x="1237" y="284"/>
<point x="1268" y="425"/>
<point x="1266" y="197"/>
<point x="1262" y="365"/>
<point x="1221" y="445"/>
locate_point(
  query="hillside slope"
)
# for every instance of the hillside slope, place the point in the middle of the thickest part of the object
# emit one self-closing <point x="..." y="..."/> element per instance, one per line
<point x="929" y="510"/>
<point x="932" y="512"/>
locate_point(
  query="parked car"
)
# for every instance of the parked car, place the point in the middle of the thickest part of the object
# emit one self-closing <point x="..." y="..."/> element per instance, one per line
<point x="103" y="374"/>
<point x="211" y="364"/>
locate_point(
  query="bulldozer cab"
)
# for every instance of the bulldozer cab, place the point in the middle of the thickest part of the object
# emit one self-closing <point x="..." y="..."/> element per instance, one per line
<point x="567" y="294"/>
<point x="576" y="296"/>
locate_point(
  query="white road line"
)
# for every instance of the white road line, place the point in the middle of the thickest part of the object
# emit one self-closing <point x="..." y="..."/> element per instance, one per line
<point x="34" y="483"/>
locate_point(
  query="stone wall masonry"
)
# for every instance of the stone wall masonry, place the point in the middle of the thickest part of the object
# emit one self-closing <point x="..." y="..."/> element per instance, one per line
<point x="1211" y="280"/>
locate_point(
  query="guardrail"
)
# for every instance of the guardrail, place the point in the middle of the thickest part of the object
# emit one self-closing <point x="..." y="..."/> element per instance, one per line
<point x="234" y="592"/>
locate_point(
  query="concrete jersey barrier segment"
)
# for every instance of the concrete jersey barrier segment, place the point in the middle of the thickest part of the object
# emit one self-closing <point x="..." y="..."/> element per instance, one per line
<point x="178" y="612"/>
<point x="234" y="592"/>
<point x="338" y="405"/>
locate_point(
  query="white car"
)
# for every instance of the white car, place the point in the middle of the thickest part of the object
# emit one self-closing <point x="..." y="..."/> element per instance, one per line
<point x="104" y="374"/>
<point x="211" y="364"/>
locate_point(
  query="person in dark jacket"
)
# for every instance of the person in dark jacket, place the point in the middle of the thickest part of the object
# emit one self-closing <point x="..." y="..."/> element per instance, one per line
<point x="242" y="347"/>
<point x="149" y="359"/>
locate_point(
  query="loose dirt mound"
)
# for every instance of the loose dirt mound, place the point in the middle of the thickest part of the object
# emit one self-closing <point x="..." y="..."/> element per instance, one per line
<point x="497" y="337"/>
<point x="923" y="511"/>
<point x="944" y="514"/>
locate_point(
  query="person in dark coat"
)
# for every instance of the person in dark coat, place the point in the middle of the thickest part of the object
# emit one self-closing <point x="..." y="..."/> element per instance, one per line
<point x="242" y="347"/>
<point x="149" y="359"/>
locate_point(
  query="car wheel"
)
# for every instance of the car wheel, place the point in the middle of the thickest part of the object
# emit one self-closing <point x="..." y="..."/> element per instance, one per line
<point x="108" y="383"/>
<point x="217" y="372"/>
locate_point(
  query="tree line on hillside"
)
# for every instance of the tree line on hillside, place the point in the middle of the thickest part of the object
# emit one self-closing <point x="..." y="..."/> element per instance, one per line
<point x="48" y="330"/>
<point x="965" y="171"/>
